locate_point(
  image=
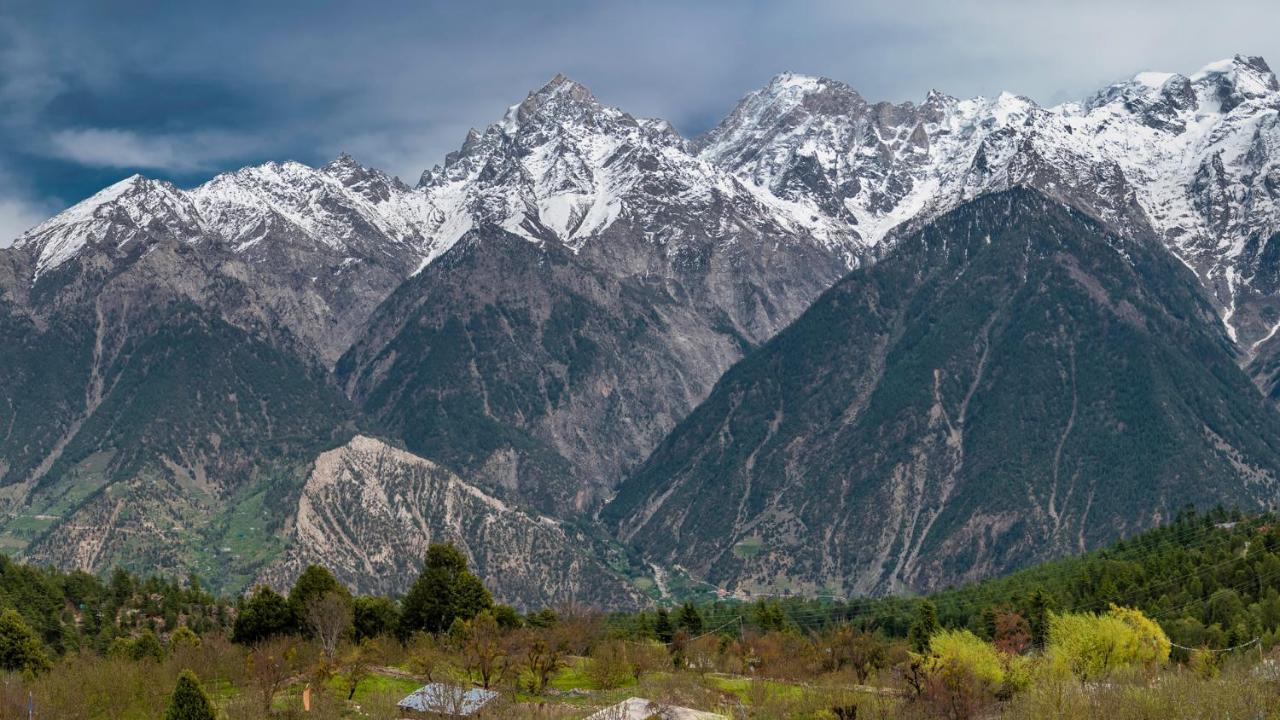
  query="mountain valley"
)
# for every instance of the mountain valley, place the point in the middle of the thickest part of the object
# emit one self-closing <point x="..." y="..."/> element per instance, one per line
<point x="827" y="346"/>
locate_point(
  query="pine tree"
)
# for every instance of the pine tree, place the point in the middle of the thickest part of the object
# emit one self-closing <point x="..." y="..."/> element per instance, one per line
<point x="663" y="627"/>
<point x="445" y="591"/>
<point x="769" y="616"/>
<point x="1039" y="605"/>
<point x="689" y="619"/>
<point x="924" y="627"/>
<point x="189" y="701"/>
<point x="644" y="627"/>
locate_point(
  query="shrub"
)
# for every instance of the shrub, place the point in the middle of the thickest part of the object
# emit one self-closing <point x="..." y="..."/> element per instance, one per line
<point x="189" y="701"/>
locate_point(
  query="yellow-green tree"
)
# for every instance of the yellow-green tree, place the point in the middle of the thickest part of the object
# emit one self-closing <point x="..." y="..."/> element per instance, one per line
<point x="962" y="649"/>
<point x="1091" y="645"/>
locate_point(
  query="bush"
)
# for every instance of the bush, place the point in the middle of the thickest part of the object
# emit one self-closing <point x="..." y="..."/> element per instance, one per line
<point x="189" y="701"/>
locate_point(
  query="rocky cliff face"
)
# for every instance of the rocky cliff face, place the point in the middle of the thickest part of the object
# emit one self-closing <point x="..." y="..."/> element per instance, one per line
<point x="543" y="308"/>
<point x="611" y="277"/>
<point x="1013" y="382"/>
<point x="368" y="511"/>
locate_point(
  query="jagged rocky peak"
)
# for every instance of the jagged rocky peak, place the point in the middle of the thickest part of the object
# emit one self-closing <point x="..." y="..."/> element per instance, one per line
<point x="561" y="118"/>
<point x="788" y="104"/>
<point x="560" y="99"/>
<point x="1236" y="80"/>
<point x="340" y="208"/>
<point x="135" y="209"/>
<point x="561" y="166"/>
<point x="372" y="184"/>
<point x="1162" y="98"/>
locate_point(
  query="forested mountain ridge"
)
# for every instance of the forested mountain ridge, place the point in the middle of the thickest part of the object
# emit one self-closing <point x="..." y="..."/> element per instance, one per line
<point x="1013" y="382"/>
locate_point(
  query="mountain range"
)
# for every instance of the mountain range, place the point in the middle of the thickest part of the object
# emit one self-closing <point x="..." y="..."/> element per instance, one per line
<point x="829" y="344"/>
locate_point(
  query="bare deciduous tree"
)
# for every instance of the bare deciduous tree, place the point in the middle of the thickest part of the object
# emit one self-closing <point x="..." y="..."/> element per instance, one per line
<point x="329" y="620"/>
<point x="484" y="649"/>
<point x="269" y="666"/>
<point x="540" y="654"/>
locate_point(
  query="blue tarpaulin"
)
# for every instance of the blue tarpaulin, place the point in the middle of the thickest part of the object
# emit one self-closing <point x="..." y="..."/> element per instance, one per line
<point x="447" y="700"/>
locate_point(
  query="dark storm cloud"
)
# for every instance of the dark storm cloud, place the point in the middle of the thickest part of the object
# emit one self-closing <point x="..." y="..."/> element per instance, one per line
<point x="93" y="91"/>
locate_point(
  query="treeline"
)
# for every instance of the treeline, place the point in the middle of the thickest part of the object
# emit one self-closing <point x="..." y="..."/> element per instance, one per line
<point x="1182" y="593"/>
<point x="76" y="611"/>
<point x="1209" y="579"/>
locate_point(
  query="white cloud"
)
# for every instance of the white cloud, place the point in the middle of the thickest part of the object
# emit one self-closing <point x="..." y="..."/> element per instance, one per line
<point x="17" y="216"/>
<point x="97" y="147"/>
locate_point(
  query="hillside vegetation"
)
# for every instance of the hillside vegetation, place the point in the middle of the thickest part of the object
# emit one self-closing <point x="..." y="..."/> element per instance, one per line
<point x="1177" y="622"/>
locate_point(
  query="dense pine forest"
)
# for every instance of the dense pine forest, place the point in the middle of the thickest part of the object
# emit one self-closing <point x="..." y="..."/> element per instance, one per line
<point x="1181" y="621"/>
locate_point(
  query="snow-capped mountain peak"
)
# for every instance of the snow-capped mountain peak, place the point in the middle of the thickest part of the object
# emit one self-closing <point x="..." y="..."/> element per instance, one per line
<point x="1195" y="157"/>
<point x="134" y="210"/>
<point x="560" y="100"/>
<point x="1238" y="78"/>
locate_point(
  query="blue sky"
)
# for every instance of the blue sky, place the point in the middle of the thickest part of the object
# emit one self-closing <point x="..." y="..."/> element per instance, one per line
<point x="91" y="92"/>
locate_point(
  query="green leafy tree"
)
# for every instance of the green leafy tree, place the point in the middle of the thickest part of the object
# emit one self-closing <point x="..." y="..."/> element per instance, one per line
<point x="314" y="583"/>
<point x="507" y="617"/>
<point x="544" y="618"/>
<point x="146" y="647"/>
<point x="189" y="701"/>
<point x="962" y="649"/>
<point x="20" y="649"/>
<point x="1091" y="646"/>
<point x="264" y="615"/>
<point x="445" y="591"/>
<point x="924" y="627"/>
<point x="183" y="637"/>
<point x="374" y="616"/>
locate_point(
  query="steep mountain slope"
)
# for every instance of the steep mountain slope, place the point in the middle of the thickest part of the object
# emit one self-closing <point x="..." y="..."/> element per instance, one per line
<point x="607" y="279"/>
<point x="319" y="249"/>
<point x="138" y="413"/>
<point x="1012" y="382"/>
<point x="541" y="309"/>
<point x="368" y="512"/>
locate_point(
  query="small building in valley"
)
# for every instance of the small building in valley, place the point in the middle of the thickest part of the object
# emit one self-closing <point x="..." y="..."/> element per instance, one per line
<point x="438" y="700"/>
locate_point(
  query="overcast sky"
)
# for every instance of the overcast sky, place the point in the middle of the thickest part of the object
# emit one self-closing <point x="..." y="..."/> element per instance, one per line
<point x="91" y="92"/>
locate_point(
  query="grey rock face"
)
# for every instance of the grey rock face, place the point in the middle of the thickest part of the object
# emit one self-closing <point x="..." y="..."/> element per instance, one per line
<point x="609" y="278"/>
<point x="368" y="511"/>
